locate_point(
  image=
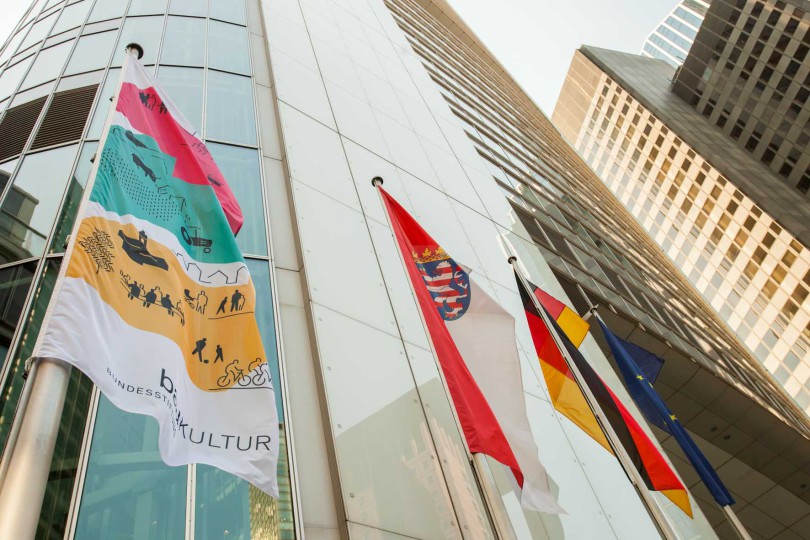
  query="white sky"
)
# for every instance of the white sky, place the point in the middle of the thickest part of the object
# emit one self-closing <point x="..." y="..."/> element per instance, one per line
<point x="533" y="39"/>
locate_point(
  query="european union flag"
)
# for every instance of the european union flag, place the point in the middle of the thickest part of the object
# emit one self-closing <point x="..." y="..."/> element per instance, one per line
<point x="657" y="412"/>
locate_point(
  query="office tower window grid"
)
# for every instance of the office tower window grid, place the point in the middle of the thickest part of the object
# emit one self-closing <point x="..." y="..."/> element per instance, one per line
<point x="580" y="229"/>
<point x="673" y="38"/>
<point x="752" y="271"/>
<point x="58" y="72"/>
<point x="751" y="78"/>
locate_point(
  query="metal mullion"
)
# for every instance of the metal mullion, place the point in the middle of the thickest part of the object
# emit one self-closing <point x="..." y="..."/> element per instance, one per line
<point x="81" y="466"/>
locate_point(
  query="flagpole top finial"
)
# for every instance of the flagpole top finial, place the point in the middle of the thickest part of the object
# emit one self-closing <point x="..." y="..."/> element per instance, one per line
<point x="133" y="49"/>
<point x="512" y="259"/>
<point x="377" y="181"/>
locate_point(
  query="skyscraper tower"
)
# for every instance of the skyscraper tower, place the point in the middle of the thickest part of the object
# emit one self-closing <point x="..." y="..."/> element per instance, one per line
<point x="673" y="37"/>
<point x="716" y="204"/>
<point x="302" y="103"/>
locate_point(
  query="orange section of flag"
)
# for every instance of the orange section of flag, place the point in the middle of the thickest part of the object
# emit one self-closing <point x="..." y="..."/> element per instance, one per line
<point x="563" y="390"/>
<point x="572" y="324"/>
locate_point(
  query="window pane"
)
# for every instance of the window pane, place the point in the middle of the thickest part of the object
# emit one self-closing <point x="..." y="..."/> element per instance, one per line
<point x="103" y="105"/>
<point x="12" y="77"/>
<point x="38" y="32"/>
<point x="14" y="284"/>
<point x="184" y="42"/>
<point x="128" y="491"/>
<point x="108" y="9"/>
<point x="47" y="65"/>
<point x="72" y="16"/>
<point x="240" y="166"/>
<point x="147" y="7"/>
<point x="187" y="7"/>
<point x="11" y="48"/>
<point x="185" y="88"/>
<point x="29" y="208"/>
<point x="64" y="225"/>
<point x="142" y="30"/>
<point x="228" y="10"/>
<point x="92" y="52"/>
<point x="228" y="48"/>
<point x="229" y="110"/>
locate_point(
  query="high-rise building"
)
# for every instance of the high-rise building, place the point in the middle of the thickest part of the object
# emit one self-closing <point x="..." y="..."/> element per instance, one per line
<point x="673" y="37"/>
<point x="737" y="229"/>
<point x="749" y="75"/>
<point x="302" y="103"/>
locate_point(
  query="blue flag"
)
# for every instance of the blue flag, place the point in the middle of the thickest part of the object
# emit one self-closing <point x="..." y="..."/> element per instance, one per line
<point x="657" y="412"/>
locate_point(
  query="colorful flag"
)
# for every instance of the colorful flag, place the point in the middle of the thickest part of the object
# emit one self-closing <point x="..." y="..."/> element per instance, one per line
<point x="157" y="304"/>
<point x="474" y="339"/>
<point x="570" y="401"/>
<point x="657" y="412"/>
<point x="571" y="323"/>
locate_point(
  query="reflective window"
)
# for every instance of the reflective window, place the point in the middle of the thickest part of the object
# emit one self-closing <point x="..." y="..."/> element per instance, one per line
<point x="147" y="7"/>
<point x="228" y="48"/>
<point x="12" y="77"/>
<point x="107" y="9"/>
<point x="185" y="87"/>
<point x="72" y="16"/>
<point x="188" y="7"/>
<point x="128" y="491"/>
<point x="64" y="224"/>
<point x="103" y="105"/>
<point x="229" y="111"/>
<point x="228" y="10"/>
<point x="144" y="31"/>
<point x="48" y="65"/>
<point x="11" y="48"/>
<point x="6" y="170"/>
<point x="91" y="52"/>
<point x="38" y="31"/>
<point x="14" y="284"/>
<point x="30" y="205"/>
<point x="240" y="166"/>
<point x="184" y="42"/>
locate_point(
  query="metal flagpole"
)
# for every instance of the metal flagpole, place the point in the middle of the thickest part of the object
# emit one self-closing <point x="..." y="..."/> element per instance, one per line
<point x="731" y="516"/>
<point x="480" y="467"/>
<point x="657" y="515"/>
<point x="32" y="437"/>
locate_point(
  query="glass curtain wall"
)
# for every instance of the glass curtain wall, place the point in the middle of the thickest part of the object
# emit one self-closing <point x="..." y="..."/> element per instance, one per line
<point x="57" y="73"/>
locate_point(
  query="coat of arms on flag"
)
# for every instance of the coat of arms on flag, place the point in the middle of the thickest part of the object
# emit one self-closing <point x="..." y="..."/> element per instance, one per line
<point x="156" y="304"/>
<point x="446" y="281"/>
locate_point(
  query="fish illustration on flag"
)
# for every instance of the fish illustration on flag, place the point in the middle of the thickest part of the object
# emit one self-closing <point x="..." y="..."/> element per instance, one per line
<point x="156" y="304"/>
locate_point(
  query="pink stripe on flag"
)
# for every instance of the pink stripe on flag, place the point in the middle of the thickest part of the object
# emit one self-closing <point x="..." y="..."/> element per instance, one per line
<point x="147" y="114"/>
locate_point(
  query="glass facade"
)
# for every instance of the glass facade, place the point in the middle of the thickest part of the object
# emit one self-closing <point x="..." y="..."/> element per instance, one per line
<point x="673" y="38"/>
<point x="107" y="478"/>
<point x="302" y="103"/>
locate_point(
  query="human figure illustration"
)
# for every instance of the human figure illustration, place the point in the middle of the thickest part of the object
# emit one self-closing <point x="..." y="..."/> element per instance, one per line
<point x="166" y="301"/>
<point x="232" y="374"/>
<point x="150" y="298"/>
<point x="219" y="357"/>
<point x="202" y="301"/>
<point x="221" y="308"/>
<point x="201" y="343"/>
<point x="236" y="303"/>
<point x="188" y="298"/>
<point x="134" y="290"/>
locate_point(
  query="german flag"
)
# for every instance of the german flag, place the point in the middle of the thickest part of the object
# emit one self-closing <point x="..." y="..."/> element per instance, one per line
<point x="570" y="401"/>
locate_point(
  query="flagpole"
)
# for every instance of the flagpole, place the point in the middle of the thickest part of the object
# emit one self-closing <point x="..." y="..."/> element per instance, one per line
<point x="731" y="516"/>
<point x="29" y="450"/>
<point x="657" y="515"/>
<point x="492" y="499"/>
